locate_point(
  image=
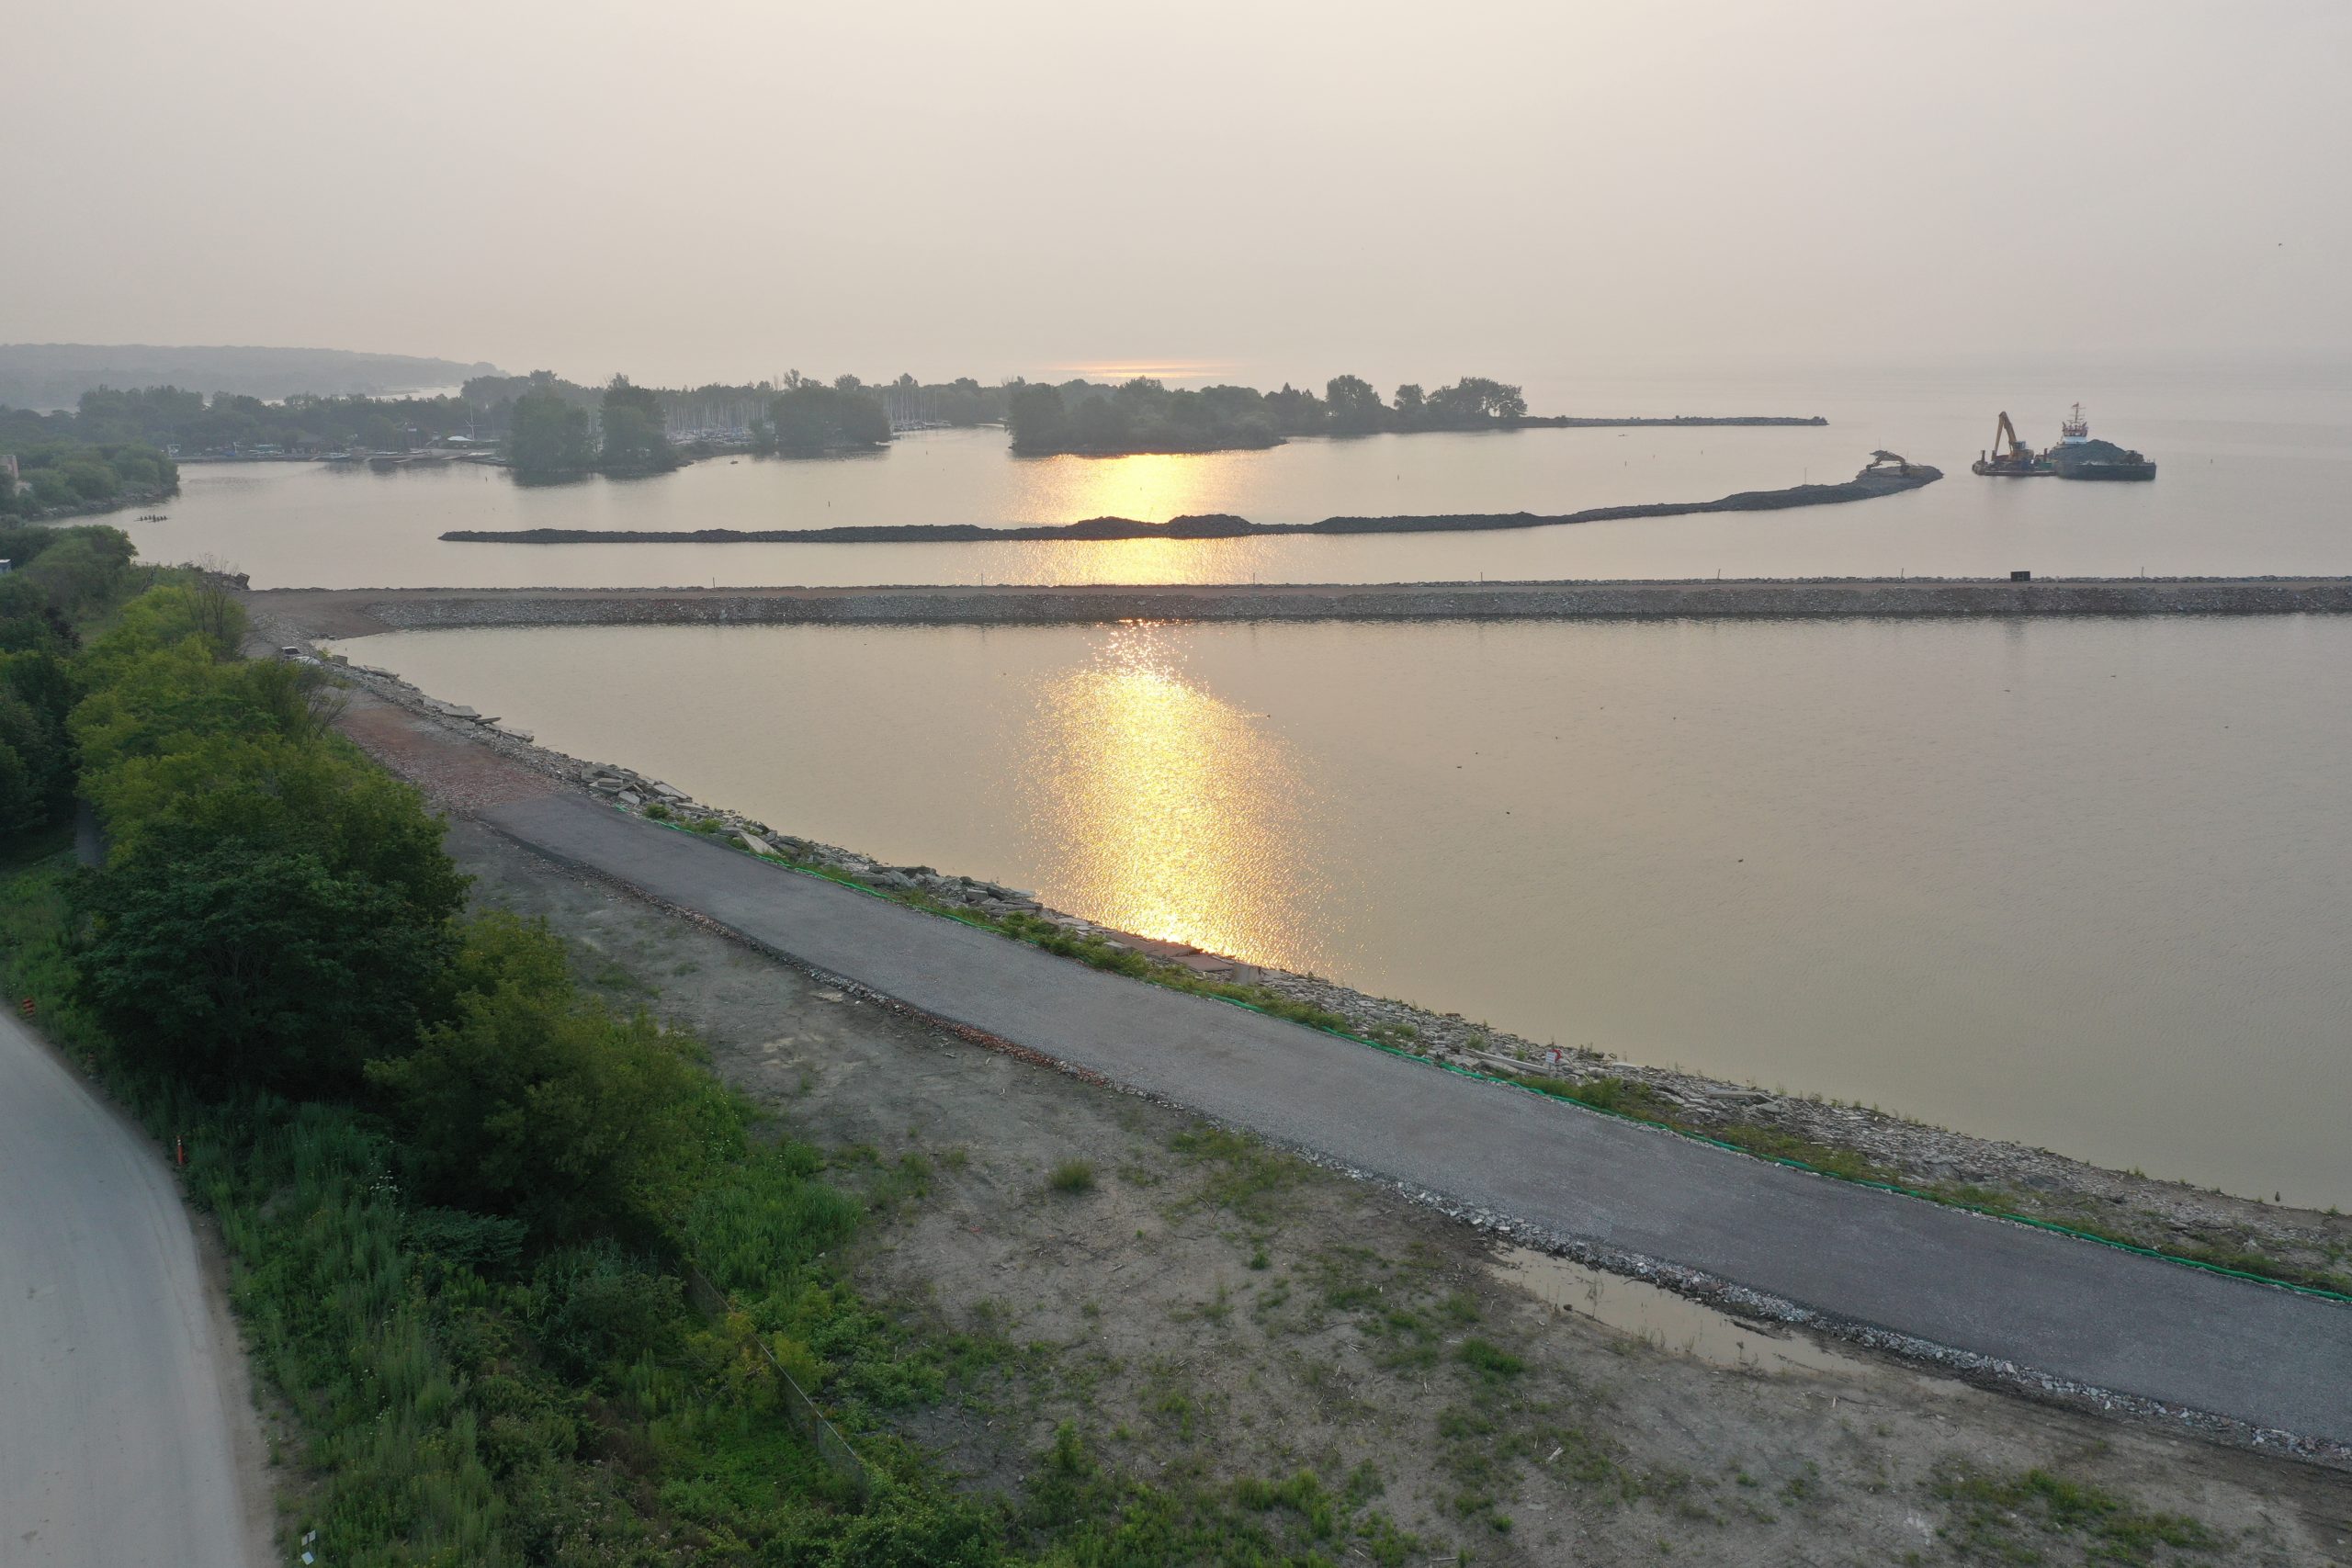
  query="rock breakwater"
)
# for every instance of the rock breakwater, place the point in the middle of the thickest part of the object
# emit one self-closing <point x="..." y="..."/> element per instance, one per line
<point x="344" y="612"/>
<point x="1867" y="485"/>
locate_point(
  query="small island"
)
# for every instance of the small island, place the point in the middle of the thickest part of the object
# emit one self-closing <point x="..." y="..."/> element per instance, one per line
<point x="549" y="441"/>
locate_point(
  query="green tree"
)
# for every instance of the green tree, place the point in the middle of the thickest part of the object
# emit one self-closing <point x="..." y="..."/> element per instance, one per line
<point x="1410" y="405"/>
<point x="1355" y="407"/>
<point x="84" y="570"/>
<point x="36" y="750"/>
<point x="547" y="439"/>
<point x="1037" y="417"/>
<point x="538" y="1101"/>
<point x="811" y="419"/>
<point x="300" y="702"/>
<point x="264" y="791"/>
<point x="28" y="622"/>
<point x="1474" y="400"/>
<point x="230" y="966"/>
<point x="636" y="437"/>
<point x="1296" y="411"/>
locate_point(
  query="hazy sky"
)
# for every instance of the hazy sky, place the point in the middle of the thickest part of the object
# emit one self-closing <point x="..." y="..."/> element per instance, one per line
<point x="729" y="188"/>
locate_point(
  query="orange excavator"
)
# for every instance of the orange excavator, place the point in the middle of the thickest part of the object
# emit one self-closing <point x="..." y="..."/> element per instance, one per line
<point x="2014" y="460"/>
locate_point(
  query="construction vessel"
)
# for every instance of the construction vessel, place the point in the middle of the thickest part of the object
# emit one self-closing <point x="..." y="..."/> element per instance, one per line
<point x="2076" y="455"/>
<point x="2013" y="461"/>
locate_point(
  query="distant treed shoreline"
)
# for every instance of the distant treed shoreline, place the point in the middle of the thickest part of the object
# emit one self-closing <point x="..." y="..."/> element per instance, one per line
<point x="798" y="415"/>
<point x="551" y="431"/>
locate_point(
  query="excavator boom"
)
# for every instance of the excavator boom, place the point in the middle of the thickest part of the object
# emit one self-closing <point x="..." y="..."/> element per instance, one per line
<point x="2010" y="455"/>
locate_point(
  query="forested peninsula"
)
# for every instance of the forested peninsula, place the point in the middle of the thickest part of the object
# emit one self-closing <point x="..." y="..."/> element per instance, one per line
<point x="55" y="475"/>
<point x="119" y="447"/>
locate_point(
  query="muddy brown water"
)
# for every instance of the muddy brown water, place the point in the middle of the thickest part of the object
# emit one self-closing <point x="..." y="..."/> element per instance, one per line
<point x="1663" y="1320"/>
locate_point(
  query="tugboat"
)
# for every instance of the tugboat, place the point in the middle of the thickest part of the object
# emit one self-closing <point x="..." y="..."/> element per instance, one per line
<point x="2077" y="456"/>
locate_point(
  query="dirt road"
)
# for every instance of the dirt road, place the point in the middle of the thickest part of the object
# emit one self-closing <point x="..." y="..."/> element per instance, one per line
<point x="127" y="1432"/>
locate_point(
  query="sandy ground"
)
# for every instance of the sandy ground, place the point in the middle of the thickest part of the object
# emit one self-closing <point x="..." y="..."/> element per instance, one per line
<point x="1208" y="1309"/>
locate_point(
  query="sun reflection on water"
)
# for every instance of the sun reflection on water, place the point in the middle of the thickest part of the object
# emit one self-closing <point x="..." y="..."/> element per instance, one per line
<point x="1172" y="813"/>
<point x="1150" y="487"/>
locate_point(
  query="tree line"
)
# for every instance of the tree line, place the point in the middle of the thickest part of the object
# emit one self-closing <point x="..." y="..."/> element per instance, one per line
<point x="194" y="425"/>
<point x="113" y="443"/>
<point x="57" y="479"/>
<point x="1145" y="416"/>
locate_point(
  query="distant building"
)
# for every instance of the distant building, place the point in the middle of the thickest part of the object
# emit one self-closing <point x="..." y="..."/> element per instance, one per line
<point x="8" y="468"/>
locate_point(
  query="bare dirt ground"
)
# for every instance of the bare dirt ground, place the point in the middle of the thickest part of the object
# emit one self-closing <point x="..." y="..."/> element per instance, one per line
<point x="1206" y="1309"/>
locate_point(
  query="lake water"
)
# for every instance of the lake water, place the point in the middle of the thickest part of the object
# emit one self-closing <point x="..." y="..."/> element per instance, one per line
<point x="2256" y="468"/>
<point x="2087" y="884"/>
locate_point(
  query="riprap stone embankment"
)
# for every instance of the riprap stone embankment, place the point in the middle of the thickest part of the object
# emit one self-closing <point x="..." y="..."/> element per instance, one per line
<point x="358" y="612"/>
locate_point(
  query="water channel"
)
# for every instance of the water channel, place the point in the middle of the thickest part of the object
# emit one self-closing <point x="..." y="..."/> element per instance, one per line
<point x="2253" y="478"/>
<point x="2084" y="884"/>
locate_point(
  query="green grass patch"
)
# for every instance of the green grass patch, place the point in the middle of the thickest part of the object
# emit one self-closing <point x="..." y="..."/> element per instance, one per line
<point x="1239" y="1173"/>
<point x="1622" y="1095"/>
<point x="2025" y="1517"/>
<point x="1490" y="1361"/>
<point x="1072" y="1176"/>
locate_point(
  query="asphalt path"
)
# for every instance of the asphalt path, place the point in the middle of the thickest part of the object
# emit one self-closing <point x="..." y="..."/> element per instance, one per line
<point x="2071" y="1308"/>
<point x="127" y="1434"/>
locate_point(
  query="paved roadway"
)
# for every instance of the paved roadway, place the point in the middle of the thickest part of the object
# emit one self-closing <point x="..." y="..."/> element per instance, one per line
<point x="2071" y="1308"/>
<point x="125" y="1432"/>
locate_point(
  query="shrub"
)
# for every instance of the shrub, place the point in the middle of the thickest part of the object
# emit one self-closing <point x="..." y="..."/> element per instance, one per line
<point x="539" y="1101"/>
<point x="226" y="964"/>
<point x="593" y="1305"/>
<point x="1072" y="1175"/>
<point x="316" y="798"/>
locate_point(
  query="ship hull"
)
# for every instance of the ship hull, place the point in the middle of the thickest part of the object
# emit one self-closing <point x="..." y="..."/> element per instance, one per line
<point x="2125" y="471"/>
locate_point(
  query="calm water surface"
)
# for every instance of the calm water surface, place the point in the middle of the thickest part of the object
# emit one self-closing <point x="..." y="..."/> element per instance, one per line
<point x="2083" y="883"/>
<point x="2256" y="473"/>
